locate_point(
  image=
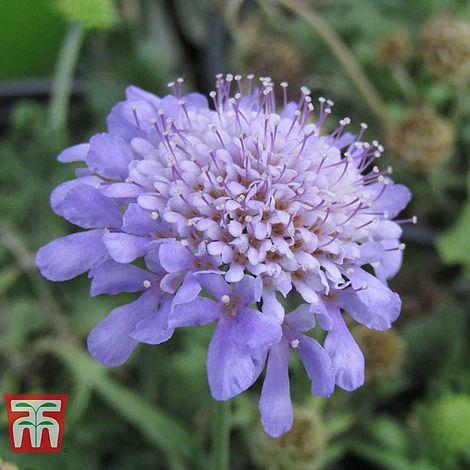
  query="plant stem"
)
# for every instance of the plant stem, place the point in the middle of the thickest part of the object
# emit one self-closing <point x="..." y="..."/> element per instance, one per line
<point x="63" y="77"/>
<point x="343" y="54"/>
<point x="220" y="435"/>
<point x="401" y="76"/>
<point x="459" y="105"/>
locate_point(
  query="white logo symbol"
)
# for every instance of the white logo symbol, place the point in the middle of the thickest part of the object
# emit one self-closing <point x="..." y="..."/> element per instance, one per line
<point x="35" y="422"/>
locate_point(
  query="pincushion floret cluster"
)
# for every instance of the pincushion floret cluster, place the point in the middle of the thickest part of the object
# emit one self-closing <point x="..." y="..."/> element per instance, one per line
<point x="234" y="203"/>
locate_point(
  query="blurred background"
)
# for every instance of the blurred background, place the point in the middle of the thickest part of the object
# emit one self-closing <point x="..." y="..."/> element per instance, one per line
<point x="403" y="67"/>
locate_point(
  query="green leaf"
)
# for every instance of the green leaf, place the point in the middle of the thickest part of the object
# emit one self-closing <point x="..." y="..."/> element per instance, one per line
<point x="79" y="402"/>
<point x="384" y="458"/>
<point x="23" y="405"/>
<point x="26" y="423"/>
<point x="155" y="425"/>
<point x="46" y="423"/>
<point x="426" y="344"/>
<point x="48" y="405"/>
<point x="339" y="423"/>
<point x="24" y="318"/>
<point x="389" y="434"/>
<point x="454" y="245"/>
<point x="100" y="14"/>
<point x="8" y="276"/>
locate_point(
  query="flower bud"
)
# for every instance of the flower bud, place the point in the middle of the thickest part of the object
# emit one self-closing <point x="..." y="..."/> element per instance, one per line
<point x="383" y="351"/>
<point x="445" y="49"/>
<point x="269" y="55"/>
<point x="394" y="49"/>
<point x="422" y="138"/>
<point x="302" y="447"/>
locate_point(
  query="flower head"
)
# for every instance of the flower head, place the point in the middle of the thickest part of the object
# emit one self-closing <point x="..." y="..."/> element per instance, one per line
<point x="245" y="201"/>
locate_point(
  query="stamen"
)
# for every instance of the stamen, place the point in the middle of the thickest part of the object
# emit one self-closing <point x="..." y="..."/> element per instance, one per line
<point x="284" y="86"/>
<point x="134" y="112"/>
<point x="400" y="247"/>
<point x="411" y="220"/>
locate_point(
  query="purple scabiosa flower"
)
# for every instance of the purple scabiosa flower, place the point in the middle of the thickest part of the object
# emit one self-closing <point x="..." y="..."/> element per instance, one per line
<point x="233" y="206"/>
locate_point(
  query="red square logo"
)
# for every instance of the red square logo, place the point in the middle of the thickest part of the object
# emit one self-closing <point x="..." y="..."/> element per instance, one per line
<point x="36" y="422"/>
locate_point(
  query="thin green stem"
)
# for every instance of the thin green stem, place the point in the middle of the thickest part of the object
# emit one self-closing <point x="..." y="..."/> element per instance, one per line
<point x="403" y="79"/>
<point x="220" y="435"/>
<point x="343" y="55"/>
<point x="63" y="77"/>
<point x="459" y="106"/>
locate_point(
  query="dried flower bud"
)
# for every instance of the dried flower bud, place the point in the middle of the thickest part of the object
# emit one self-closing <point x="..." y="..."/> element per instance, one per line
<point x="269" y="55"/>
<point x="394" y="50"/>
<point x="422" y="138"/>
<point x="445" y="49"/>
<point x="278" y="58"/>
<point x="301" y="448"/>
<point x="383" y="350"/>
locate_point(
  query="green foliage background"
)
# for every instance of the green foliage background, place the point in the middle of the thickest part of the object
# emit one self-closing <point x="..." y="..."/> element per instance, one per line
<point x="154" y="412"/>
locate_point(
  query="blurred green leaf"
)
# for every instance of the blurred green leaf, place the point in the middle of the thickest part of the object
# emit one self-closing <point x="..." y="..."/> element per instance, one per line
<point x="31" y="33"/>
<point x="389" y="434"/>
<point x="339" y="424"/>
<point x="454" y="245"/>
<point x="388" y="460"/>
<point x="100" y="14"/>
<point x="8" y="276"/>
<point x="78" y="402"/>
<point x="156" y="426"/>
<point x="434" y="357"/>
<point x="22" y="319"/>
